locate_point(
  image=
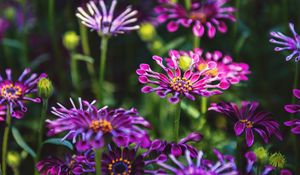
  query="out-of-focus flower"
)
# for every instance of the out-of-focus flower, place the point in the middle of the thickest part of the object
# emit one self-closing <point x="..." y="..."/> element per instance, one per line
<point x="3" y="111"/>
<point x="287" y="43"/>
<point x="294" y="108"/>
<point x="103" y="21"/>
<point x="261" y="154"/>
<point x="9" y="13"/>
<point x="147" y="32"/>
<point x="71" y="40"/>
<point x="248" y="119"/>
<point x="4" y="24"/>
<point x="76" y="164"/>
<point x="177" y="149"/>
<point x="251" y="160"/>
<point x="277" y="160"/>
<point x="45" y="88"/>
<point x="224" y="165"/>
<point x="89" y="127"/>
<point x="13" y="159"/>
<point x="128" y="161"/>
<point x="285" y="172"/>
<point x="188" y="83"/>
<point x="210" y="14"/>
<point x="14" y="93"/>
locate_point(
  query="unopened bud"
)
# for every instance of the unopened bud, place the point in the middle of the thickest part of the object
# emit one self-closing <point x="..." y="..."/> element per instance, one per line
<point x="184" y="62"/>
<point x="13" y="159"/>
<point x="277" y="160"/>
<point x="71" y="40"/>
<point x="147" y="32"/>
<point x="45" y="88"/>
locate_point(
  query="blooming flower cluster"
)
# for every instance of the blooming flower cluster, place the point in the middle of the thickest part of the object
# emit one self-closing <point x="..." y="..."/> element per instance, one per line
<point x="210" y="14"/>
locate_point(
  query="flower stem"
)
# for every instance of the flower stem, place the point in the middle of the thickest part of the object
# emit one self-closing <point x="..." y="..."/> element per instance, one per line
<point x="237" y="15"/>
<point x="41" y="132"/>
<point x="104" y="42"/>
<point x="98" y="158"/>
<point x="241" y="148"/>
<point x="187" y="4"/>
<point x="177" y="121"/>
<point x="74" y="74"/>
<point x="5" y="140"/>
<point x="24" y="59"/>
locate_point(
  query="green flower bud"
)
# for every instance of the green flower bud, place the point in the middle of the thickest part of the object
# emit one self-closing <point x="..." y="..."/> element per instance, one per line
<point x="261" y="153"/>
<point x="147" y="32"/>
<point x="10" y="13"/>
<point x="45" y="88"/>
<point x="184" y="62"/>
<point x="174" y="1"/>
<point x="71" y="40"/>
<point x="157" y="45"/>
<point x="13" y="159"/>
<point x="277" y="160"/>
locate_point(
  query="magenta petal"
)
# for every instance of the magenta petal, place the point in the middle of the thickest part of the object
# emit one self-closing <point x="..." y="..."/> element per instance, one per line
<point x="172" y="26"/>
<point x="239" y="128"/>
<point x="296" y="93"/>
<point x="249" y="137"/>
<point x="176" y="150"/>
<point x="147" y="89"/>
<point x="211" y="30"/>
<point x="222" y="27"/>
<point x="296" y="130"/>
<point x="198" y="29"/>
<point x="292" y="108"/>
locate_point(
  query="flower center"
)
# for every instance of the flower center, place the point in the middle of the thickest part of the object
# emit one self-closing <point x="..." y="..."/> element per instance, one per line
<point x="101" y="125"/>
<point x="213" y="72"/>
<point x="181" y="85"/>
<point x="201" y="16"/>
<point x="249" y="124"/>
<point x="11" y="92"/>
<point x="120" y="167"/>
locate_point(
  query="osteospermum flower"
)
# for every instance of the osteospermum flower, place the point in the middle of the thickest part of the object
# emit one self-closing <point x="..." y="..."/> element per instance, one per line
<point x="128" y="162"/>
<point x="177" y="149"/>
<point x="103" y="21"/>
<point x="209" y="14"/>
<point x="226" y="69"/>
<point x="224" y="166"/>
<point x="76" y="165"/>
<point x="287" y="43"/>
<point x="251" y="160"/>
<point x="178" y="81"/>
<point x="248" y="119"/>
<point x="14" y="93"/>
<point x="294" y="108"/>
<point x="89" y="127"/>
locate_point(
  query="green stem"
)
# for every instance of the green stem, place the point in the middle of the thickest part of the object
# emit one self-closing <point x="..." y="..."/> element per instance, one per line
<point x="74" y="74"/>
<point x="5" y="140"/>
<point x="237" y="15"/>
<point x="241" y="148"/>
<point x="98" y="157"/>
<point x="104" y="42"/>
<point x="41" y="132"/>
<point x="177" y="121"/>
<point x="196" y="43"/>
<point x="187" y="4"/>
<point x="24" y="60"/>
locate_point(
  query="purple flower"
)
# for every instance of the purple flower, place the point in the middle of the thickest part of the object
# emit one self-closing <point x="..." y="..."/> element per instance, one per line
<point x="251" y="160"/>
<point x="175" y="81"/>
<point x="287" y="43"/>
<point x="4" y="24"/>
<point x="3" y="110"/>
<point x="14" y="93"/>
<point x="76" y="165"/>
<point x="210" y="14"/>
<point x="177" y="149"/>
<point x="89" y="127"/>
<point x="103" y="21"/>
<point x="294" y="108"/>
<point x="224" y="166"/>
<point x="249" y="119"/>
<point x="128" y="161"/>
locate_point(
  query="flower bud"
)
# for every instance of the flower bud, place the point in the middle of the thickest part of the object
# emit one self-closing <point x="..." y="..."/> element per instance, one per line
<point x="10" y="13"/>
<point x="147" y="32"/>
<point x="45" y="88"/>
<point x="277" y="160"/>
<point x="261" y="153"/>
<point x="184" y="62"/>
<point x="156" y="46"/>
<point x="13" y="159"/>
<point x="71" y="40"/>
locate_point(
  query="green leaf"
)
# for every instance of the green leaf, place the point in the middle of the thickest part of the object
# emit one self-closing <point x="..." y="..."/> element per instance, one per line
<point x="58" y="141"/>
<point x="80" y="57"/>
<point x="20" y="141"/>
<point x="12" y="43"/>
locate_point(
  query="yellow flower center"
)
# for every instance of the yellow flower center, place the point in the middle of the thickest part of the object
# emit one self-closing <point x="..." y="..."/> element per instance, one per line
<point x="213" y="72"/>
<point x="249" y="124"/>
<point x="120" y="166"/>
<point x="11" y="92"/>
<point x="101" y="125"/>
<point x="181" y="85"/>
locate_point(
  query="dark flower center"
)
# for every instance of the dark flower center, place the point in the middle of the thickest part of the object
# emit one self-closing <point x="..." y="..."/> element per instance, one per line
<point x="120" y="167"/>
<point x="249" y="124"/>
<point x="11" y="92"/>
<point x="181" y="85"/>
<point x="101" y="125"/>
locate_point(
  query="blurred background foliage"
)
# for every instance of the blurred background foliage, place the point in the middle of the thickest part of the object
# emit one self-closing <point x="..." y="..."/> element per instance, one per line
<point x="35" y="39"/>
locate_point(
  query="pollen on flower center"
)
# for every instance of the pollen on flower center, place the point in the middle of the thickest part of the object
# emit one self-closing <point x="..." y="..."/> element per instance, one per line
<point x="11" y="92"/>
<point x="249" y="124"/>
<point x="181" y="85"/>
<point x="119" y="166"/>
<point x="101" y="125"/>
<point x="213" y="72"/>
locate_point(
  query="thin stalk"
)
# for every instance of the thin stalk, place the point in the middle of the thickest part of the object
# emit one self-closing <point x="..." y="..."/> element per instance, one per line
<point x="187" y="4"/>
<point x="237" y="15"/>
<point x="74" y="73"/>
<point x="177" y="121"/>
<point x="241" y="148"/>
<point x="5" y="140"/>
<point x="98" y="157"/>
<point x="86" y="51"/>
<point x="24" y="60"/>
<point x="41" y="132"/>
<point x="104" y="42"/>
<point x="196" y="43"/>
